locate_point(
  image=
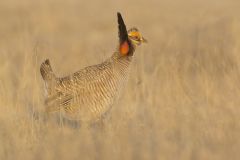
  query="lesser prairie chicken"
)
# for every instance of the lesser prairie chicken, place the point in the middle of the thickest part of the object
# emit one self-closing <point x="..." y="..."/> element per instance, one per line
<point x="89" y="93"/>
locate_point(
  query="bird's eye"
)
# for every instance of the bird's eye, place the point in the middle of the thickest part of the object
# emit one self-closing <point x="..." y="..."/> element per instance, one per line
<point x="135" y="37"/>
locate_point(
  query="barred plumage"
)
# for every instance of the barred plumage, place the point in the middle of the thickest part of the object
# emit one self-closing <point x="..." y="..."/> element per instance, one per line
<point x="89" y="93"/>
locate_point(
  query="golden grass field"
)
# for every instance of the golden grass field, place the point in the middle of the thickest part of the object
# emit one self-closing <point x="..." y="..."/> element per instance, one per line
<point x="182" y="100"/>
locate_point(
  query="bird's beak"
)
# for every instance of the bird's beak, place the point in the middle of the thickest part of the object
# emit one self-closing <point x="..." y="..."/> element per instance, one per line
<point x="144" y="40"/>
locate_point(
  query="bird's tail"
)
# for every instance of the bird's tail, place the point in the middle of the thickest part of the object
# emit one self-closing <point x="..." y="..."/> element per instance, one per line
<point x="48" y="77"/>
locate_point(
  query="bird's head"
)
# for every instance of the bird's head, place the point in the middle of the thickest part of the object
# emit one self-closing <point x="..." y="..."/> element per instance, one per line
<point x="135" y="36"/>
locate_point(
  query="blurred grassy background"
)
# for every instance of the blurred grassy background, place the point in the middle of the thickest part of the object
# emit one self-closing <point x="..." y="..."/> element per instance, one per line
<point x="181" y="102"/>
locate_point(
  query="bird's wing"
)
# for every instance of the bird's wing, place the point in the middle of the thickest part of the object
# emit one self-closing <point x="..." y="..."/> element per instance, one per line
<point x="88" y="75"/>
<point x="72" y="88"/>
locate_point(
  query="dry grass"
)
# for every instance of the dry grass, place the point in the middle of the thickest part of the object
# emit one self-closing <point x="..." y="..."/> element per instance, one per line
<point x="181" y="102"/>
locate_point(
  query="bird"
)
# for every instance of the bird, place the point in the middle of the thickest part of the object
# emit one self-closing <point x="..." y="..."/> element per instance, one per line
<point x="90" y="93"/>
